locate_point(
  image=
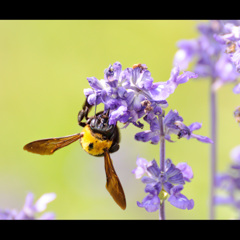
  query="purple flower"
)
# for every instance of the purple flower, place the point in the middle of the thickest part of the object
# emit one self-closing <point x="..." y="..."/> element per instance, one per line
<point x="30" y="209"/>
<point x="215" y="52"/>
<point x="202" y="49"/>
<point x="229" y="183"/>
<point x="226" y="72"/>
<point x="159" y="185"/>
<point x="173" y="124"/>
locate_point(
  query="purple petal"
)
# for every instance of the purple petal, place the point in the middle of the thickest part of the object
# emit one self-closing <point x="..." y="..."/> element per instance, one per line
<point x="42" y="202"/>
<point x="168" y="138"/>
<point x="88" y="91"/>
<point x="179" y="200"/>
<point x="171" y="118"/>
<point x="144" y="136"/>
<point x="183" y="78"/>
<point x="47" y="216"/>
<point x="174" y="175"/>
<point x="94" y="99"/>
<point x="223" y="200"/>
<point x="186" y="171"/>
<point x="95" y="83"/>
<point x="113" y="83"/>
<point x="142" y="162"/>
<point x="141" y="167"/>
<point x="195" y="126"/>
<point x="235" y="154"/>
<point x="201" y="138"/>
<point x="153" y="188"/>
<point x="150" y="203"/>
<point x="236" y="89"/>
<point x="185" y="54"/>
<point x="159" y="91"/>
<point x="117" y="114"/>
<point x="137" y="106"/>
<point x="174" y="74"/>
<point x="154" y="125"/>
<point x="147" y="180"/>
<point x="153" y="169"/>
<point x="122" y="92"/>
<point x="155" y="139"/>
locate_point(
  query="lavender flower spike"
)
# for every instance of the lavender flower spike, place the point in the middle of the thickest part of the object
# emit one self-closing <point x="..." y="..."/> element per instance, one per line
<point x="30" y="209"/>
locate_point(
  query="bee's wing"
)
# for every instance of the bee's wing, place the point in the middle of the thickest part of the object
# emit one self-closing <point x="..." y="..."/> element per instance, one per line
<point x="113" y="184"/>
<point x="50" y="145"/>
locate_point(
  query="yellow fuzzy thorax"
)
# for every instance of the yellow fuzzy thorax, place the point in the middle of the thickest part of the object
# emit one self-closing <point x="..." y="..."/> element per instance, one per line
<point x="92" y="143"/>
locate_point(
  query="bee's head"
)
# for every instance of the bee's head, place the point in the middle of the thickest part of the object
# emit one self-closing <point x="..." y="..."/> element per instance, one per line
<point x="100" y="124"/>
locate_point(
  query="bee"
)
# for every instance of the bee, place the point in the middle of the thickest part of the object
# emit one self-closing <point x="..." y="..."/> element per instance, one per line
<point x="98" y="138"/>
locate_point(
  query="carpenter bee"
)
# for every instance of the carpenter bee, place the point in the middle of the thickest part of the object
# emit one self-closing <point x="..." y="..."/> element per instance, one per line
<point x="98" y="138"/>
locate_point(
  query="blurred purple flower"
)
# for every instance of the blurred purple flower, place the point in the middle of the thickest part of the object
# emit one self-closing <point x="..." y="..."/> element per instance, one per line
<point x="30" y="209"/>
<point x="161" y="184"/>
<point x="235" y="155"/>
<point x="230" y="40"/>
<point x="229" y="183"/>
<point x="215" y="52"/>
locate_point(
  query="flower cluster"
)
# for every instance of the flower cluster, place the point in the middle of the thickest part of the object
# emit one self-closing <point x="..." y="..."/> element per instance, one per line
<point x="229" y="183"/>
<point x="163" y="185"/>
<point x="30" y="209"/>
<point x="212" y="58"/>
<point x="125" y="91"/>
<point x="131" y="94"/>
<point x="230" y="39"/>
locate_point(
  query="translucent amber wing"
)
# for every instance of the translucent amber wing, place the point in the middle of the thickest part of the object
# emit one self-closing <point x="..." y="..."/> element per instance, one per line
<point x="50" y="145"/>
<point x="113" y="184"/>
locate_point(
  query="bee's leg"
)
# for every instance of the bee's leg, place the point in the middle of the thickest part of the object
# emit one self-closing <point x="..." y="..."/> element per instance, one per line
<point x="84" y="113"/>
<point x="114" y="148"/>
<point x="81" y="115"/>
<point x="116" y="139"/>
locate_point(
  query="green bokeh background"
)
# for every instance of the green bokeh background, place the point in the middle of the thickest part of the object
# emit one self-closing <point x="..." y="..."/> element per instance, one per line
<point x="43" y="69"/>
